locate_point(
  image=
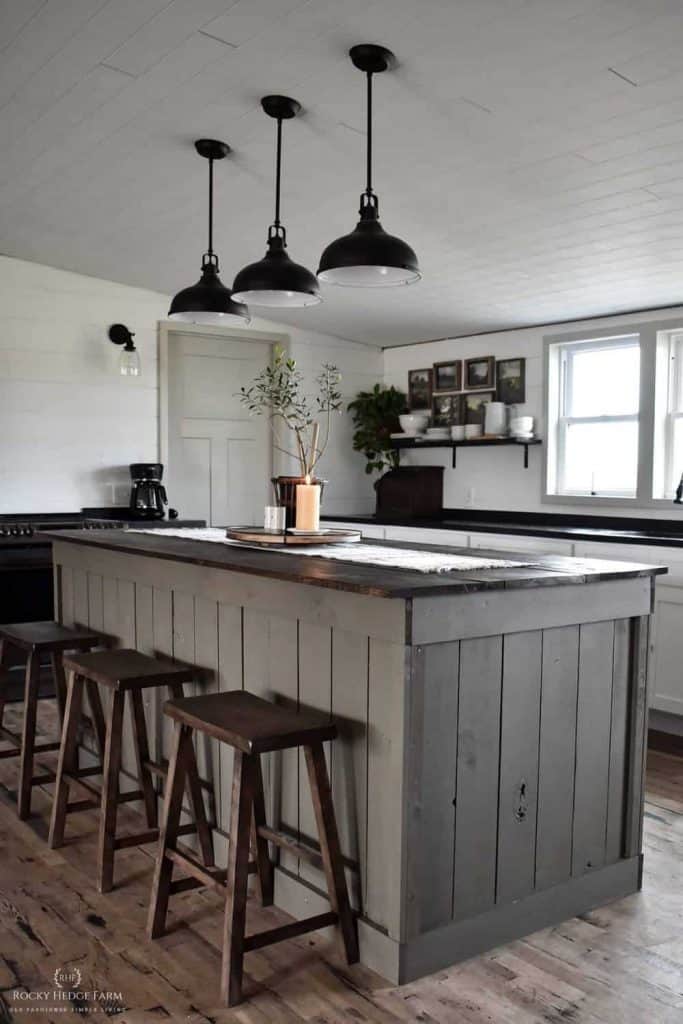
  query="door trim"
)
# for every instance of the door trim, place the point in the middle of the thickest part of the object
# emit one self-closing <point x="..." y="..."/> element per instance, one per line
<point x="169" y="327"/>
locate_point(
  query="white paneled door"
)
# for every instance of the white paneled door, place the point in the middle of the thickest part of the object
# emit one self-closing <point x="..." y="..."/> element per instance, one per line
<point x="219" y="459"/>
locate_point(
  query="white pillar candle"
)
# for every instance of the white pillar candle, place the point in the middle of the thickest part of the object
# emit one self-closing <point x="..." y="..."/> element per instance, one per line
<point x="308" y="506"/>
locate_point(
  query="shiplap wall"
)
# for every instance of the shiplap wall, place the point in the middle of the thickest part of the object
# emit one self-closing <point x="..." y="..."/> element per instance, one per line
<point x="70" y="423"/>
<point x="494" y="478"/>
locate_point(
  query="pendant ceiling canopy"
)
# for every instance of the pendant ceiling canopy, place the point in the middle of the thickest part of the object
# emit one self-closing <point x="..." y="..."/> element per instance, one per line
<point x="276" y="281"/>
<point x="368" y="257"/>
<point x="209" y="301"/>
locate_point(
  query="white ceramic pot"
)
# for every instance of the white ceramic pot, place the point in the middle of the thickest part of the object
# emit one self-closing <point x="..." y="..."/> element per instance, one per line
<point x="472" y="430"/>
<point x="413" y="422"/>
<point x="522" y="425"/>
<point x="494" y="418"/>
<point x="458" y="433"/>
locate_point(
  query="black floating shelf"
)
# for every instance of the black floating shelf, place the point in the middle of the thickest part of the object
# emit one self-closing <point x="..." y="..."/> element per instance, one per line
<point x="410" y="442"/>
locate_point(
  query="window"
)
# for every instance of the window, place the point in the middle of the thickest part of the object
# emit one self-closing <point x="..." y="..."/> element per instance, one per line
<point x="668" y="414"/>
<point x="593" y="417"/>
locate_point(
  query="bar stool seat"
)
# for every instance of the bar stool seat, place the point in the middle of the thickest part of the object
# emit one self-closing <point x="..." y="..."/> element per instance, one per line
<point x="126" y="673"/>
<point x="251" y="726"/>
<point x="250" y="723"/>
<point x="50" y="636"/>
<point x="35" y="639"/>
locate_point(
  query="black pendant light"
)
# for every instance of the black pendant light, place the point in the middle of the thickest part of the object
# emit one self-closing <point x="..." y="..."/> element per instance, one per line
<point x="209" y="301"/>
<point x="275" y="280"/>
<point x="369" y="257"/>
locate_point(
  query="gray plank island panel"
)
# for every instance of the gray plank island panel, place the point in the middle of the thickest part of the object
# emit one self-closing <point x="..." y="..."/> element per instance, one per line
<point x="593" y="727"/>
<point x="434" y="700"/>
<point x="518" y="788"/>
<point x="476" y="801"/>
<point x="557" y="753"/>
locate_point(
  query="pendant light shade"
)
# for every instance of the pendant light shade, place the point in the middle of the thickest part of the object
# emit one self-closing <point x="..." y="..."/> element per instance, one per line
<point x="276" y="281"/>
<point x="209" y="301"/>
<point x="368" y="257"/>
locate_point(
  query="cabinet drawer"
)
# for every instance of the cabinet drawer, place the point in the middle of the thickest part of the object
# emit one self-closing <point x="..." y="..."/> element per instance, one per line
<point x="511" y="542"/>
<point x="418" y="535"/>
<point x="368" y="530"/>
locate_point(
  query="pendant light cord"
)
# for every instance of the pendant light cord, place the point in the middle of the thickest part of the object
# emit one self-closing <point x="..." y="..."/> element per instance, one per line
<point x="210" y="249"/>
<point x="278" y="172"/>
<point x="368" y="185"/>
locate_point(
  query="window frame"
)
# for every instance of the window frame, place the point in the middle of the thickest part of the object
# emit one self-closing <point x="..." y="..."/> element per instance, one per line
<point x="566" y="351"/>
<point x="648" y="331"/>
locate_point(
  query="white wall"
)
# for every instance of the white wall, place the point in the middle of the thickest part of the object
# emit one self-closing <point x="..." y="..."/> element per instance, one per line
<point x="70" y="423"/>
<point x="494" y="478"/>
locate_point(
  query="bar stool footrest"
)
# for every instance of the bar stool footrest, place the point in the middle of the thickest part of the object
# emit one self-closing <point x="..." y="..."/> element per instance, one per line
<point x="39" y="780"/>
<point x="90" y="804"/>
<point x="138" y="839"/>
<point x="289" y="931"/>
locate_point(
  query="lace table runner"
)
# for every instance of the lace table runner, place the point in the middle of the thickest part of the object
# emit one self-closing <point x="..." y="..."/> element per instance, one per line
<point x="362" y="554"/>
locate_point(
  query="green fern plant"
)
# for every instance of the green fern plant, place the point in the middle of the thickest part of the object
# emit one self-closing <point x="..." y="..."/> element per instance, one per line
<point x="375" y="417"/>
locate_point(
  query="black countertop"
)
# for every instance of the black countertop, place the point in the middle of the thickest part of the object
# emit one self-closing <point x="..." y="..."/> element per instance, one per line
<point x="371" y="580"/>
<point x="608" y="529"/>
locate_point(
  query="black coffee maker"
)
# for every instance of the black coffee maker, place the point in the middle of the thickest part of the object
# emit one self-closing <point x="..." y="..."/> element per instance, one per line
<point x="148" y="494"/>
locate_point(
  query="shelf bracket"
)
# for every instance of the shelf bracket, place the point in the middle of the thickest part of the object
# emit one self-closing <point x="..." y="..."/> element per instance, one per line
<point x="454" y="449"/>
<point x="526" y="456"/>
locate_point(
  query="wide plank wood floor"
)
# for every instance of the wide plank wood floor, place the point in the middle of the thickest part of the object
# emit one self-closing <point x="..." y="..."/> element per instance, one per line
<point x="622" y="964"/>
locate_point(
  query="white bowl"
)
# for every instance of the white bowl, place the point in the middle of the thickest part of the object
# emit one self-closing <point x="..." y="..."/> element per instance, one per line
<point x="458" y="432"/>
<point x="413" y="422"/>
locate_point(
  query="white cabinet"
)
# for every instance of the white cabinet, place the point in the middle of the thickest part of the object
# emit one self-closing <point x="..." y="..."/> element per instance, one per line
<point x="512" y="542"/>
<point x="666" y="641"/>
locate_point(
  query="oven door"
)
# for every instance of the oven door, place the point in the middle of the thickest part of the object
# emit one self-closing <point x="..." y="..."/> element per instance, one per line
<point x="26" y="595"/>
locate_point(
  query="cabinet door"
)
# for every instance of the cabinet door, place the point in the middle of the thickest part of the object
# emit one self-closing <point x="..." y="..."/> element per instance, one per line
<point x="666" y="636"/>
<point x="511" y="542"/>
<point x="666" y="653"/>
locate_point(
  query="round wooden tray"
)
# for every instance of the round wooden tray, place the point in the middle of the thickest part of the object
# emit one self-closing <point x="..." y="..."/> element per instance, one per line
<point x="257" y="535"/>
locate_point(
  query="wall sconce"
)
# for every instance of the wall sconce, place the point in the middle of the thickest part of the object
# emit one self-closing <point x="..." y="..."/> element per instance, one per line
<point x="129" y="363"/>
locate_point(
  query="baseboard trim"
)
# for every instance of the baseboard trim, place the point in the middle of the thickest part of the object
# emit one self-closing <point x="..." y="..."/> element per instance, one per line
<point x="400" y="963"/>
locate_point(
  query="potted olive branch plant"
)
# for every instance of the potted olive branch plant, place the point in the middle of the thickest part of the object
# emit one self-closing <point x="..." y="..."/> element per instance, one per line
<point x="278" y="393"/>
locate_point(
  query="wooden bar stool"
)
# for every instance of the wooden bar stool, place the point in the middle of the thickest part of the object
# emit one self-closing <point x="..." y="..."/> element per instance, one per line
<point x="252" y="726"/>
<point x="34" y="639"/>
<point x="124" y="672"/>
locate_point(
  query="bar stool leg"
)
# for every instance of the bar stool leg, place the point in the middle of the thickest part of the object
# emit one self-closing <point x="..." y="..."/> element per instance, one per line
<point x="68" y="753"/>
<point x="142" y="757"/>
<point x="110" y="792"/>
<point x="170" y="820"/>
<point x="97" y="715"/>
<point x="194" y="791"/>
<point x="28" y="738"/>
<point x="264" y="872"/>
<point x="3" y="655"/>
<point x="60" y="683"/>
<point x="330" y="847"/>
<point x="237" y="877"/>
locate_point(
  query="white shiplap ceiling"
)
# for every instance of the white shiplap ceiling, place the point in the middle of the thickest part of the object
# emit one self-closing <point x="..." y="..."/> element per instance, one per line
<point x="531" y="151"/>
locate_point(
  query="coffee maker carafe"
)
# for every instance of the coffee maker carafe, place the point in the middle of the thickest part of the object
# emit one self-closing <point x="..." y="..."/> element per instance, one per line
<point x="148" y="494"/>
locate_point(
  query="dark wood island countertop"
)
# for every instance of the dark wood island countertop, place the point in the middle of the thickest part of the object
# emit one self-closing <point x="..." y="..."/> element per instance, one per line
<point x="371" y="580"/>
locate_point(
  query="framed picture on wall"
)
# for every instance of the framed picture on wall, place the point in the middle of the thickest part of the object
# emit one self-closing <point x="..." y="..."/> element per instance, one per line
<point x="448" y="376"/>
<point x="480" y="373"/>
<point x="511" y="381"/>
<point x="420" y="388"/>
<point x="474" y="406"/>
<point x="447" y="410"/>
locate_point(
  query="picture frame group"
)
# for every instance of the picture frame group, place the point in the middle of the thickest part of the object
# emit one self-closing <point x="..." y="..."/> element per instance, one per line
<point x="435" y="388"/>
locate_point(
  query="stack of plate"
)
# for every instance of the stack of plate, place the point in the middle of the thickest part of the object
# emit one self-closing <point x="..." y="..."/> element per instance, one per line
<point x="439" y="433"/>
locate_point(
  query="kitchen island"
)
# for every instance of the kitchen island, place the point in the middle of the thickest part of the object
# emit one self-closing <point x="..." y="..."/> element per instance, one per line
<point x="488" y="775"/>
